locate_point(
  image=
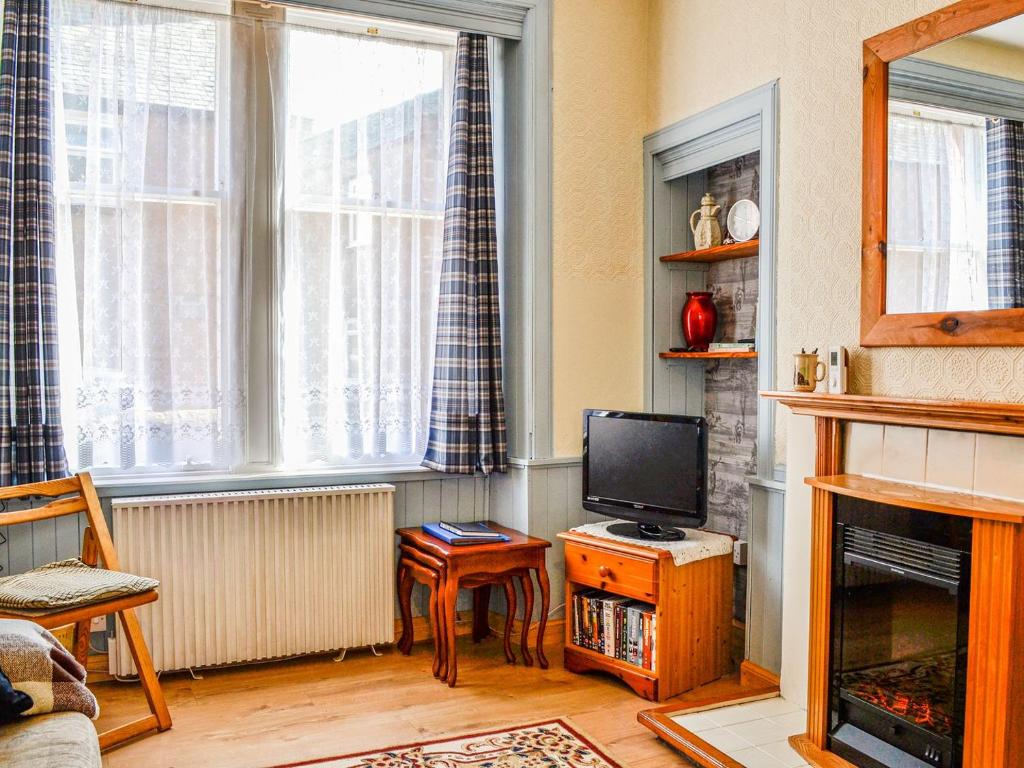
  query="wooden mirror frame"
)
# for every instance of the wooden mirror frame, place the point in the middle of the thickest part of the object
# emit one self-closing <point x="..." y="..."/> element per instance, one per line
<point x="994" y="327"/>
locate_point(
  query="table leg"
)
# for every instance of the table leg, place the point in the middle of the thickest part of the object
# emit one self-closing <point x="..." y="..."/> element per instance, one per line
<point x="451" y="596"/>
<point x="526" y="581"/>
<point x="442" y="627"/>
<point x="545" y="602"/>
<point x="405" y="581"/>
<point x="438" y="641"/>
<point x="481" y="612"/>
<point x="510" y="617"/>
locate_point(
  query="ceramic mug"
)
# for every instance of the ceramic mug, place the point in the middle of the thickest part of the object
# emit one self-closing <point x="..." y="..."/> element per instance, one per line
<point x="808" y="370"/>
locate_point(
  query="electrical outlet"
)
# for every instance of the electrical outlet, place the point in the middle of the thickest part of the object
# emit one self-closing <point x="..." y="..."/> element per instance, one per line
<point x="739" y="552"/>
<point x="98" y="624"/>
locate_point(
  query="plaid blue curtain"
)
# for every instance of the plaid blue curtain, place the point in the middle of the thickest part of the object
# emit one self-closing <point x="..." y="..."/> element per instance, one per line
<point x="31" y="439"/>
<point x="1005" y="146"/>
<point x="467" y="410"/>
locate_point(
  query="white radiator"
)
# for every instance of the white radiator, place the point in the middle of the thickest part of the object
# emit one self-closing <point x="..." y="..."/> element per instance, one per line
<point x="259" y="574"/>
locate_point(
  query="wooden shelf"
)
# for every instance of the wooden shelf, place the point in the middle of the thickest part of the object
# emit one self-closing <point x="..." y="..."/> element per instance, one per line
<point x="611" y="661"/>
<point x="913" y="496"/>
<point x="718" y="253"/>
<point x="720" y="355"/>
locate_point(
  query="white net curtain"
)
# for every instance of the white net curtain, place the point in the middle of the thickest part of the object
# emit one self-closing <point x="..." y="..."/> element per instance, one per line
<point x="363" y="194"/>
<point x="155" y="139"/>
<point x="151" y="145"/>
<point x="938" y="228"/>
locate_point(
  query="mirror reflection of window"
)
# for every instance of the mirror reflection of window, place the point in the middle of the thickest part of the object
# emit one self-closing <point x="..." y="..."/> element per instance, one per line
<point x="955" y="239"/>
<point x="938" y="228"/>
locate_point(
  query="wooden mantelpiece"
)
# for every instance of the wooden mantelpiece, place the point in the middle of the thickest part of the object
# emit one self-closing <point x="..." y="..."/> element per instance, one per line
<point x="994" y="729"/>
<point x="960" y="415"/>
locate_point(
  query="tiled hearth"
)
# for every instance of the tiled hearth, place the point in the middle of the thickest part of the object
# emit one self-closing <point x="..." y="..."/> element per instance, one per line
<point x="754" y="734"/>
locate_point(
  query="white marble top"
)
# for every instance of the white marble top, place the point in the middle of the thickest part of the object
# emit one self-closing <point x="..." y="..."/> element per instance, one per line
<point x="697" y="545"/>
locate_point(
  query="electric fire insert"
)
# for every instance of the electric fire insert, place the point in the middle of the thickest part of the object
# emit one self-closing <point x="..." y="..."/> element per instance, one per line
<point x="900" y="609"/>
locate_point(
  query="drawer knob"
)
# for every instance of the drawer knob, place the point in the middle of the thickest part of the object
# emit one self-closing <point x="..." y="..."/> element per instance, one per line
<point x="604" y="571"/>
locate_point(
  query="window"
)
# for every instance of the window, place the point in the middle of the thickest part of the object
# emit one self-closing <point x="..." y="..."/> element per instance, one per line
<point x="158" y="174"/>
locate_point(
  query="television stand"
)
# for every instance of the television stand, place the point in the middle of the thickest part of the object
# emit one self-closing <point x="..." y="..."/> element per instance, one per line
<point x="646" y="532"/>
<point x="692" y="603"/>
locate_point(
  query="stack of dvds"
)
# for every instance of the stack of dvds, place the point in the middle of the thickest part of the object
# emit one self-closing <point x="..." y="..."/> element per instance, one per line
<point x="615" y="626"/>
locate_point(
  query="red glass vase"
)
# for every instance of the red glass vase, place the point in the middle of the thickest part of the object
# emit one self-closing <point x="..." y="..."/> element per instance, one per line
<point x="700" y="320"/>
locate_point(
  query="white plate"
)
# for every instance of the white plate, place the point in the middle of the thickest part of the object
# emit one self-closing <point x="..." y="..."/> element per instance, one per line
<point x="743" y="221"/>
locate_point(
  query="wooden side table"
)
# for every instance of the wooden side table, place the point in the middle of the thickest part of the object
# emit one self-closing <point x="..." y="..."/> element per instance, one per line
<point x="478" y="566"/>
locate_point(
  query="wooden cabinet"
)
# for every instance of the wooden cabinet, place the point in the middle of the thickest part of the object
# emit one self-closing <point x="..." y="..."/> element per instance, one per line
<point x="693" y="604"/>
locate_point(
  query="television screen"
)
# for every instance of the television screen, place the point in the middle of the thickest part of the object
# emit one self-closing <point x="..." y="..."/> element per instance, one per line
<point x="645" y="466"/>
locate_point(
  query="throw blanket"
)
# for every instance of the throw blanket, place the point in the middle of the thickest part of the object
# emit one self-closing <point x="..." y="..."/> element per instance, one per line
<point x="41" y="667"/>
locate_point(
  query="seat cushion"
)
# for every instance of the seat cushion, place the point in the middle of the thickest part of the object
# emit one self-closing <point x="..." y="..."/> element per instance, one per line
<point x="67" y="584"/>
<point x="59" y="740"/>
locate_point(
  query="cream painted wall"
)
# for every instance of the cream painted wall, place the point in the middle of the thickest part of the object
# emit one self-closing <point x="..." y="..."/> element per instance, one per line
<point x="599" y="99"/>
<point x="623" y="68"/>
<point x="814" y="49"/>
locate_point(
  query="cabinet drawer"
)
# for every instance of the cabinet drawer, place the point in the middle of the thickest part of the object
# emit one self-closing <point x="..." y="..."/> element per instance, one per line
<point x="611" y="571"/>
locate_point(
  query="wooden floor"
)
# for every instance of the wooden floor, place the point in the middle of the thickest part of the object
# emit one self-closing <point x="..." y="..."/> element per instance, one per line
<point x="268" y="714"/>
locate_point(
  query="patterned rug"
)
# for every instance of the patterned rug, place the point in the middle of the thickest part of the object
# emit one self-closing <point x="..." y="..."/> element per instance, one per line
<point x="552" y="744"/>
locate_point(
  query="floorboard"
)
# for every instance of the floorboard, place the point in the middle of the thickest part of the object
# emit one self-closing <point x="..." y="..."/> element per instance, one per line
<point x="288" y="711"/>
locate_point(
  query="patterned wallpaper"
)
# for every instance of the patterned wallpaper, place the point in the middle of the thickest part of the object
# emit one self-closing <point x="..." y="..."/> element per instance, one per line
<point x="730" y="386"/>
<point x="814" y="48"/>
<point x="599" y="97"/>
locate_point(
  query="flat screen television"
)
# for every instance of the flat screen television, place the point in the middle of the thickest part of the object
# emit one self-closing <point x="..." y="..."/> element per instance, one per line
<point x="647" y="468"/>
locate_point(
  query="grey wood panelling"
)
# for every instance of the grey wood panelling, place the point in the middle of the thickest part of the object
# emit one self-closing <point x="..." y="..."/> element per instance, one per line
<point x="30" y="545"/>
<point x="764" y="577"/>
<point x="548" y="498"/>
<point x="418" y="502"/>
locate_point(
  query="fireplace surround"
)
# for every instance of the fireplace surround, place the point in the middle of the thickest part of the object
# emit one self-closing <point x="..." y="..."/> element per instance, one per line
<point x="979" y="701"/>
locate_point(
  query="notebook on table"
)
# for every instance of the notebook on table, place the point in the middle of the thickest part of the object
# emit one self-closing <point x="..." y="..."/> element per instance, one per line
<point x="464" y="533"/>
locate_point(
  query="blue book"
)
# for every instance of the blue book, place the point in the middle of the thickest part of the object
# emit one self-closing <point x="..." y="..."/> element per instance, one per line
<point x="435" y="530"/>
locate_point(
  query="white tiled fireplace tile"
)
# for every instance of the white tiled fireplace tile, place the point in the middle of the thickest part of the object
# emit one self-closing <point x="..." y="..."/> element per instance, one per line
<point x="999" y="466"/>
<point x="791" y="724"/>
<point x="757" y="732"/>
<point x="951" y="459"/>
<point x="863" y="448"/>
<point x="696" y="722"/>
<point x="784" y="753"/>
<point x="725" y="740"/>
<point x="753" y="757"/>
<point x="904" y="453"/>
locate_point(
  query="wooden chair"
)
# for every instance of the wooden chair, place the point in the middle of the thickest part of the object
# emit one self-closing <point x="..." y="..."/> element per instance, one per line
<point x="71" y="496"/>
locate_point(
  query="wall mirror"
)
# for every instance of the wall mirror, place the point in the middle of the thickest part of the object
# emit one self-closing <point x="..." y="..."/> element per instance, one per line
<point x="943" y="219"/>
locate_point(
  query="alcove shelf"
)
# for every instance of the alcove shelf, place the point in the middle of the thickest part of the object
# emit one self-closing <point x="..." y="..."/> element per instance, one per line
<point x="725" y="353"/>
<point x="718" y="253"/>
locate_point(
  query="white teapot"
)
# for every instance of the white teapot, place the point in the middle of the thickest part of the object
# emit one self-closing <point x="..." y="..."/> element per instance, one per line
<point x="707" y="233"/>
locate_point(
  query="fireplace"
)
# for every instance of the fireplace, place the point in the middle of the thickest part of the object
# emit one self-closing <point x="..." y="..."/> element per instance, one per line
<point x="898" y="660"/>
